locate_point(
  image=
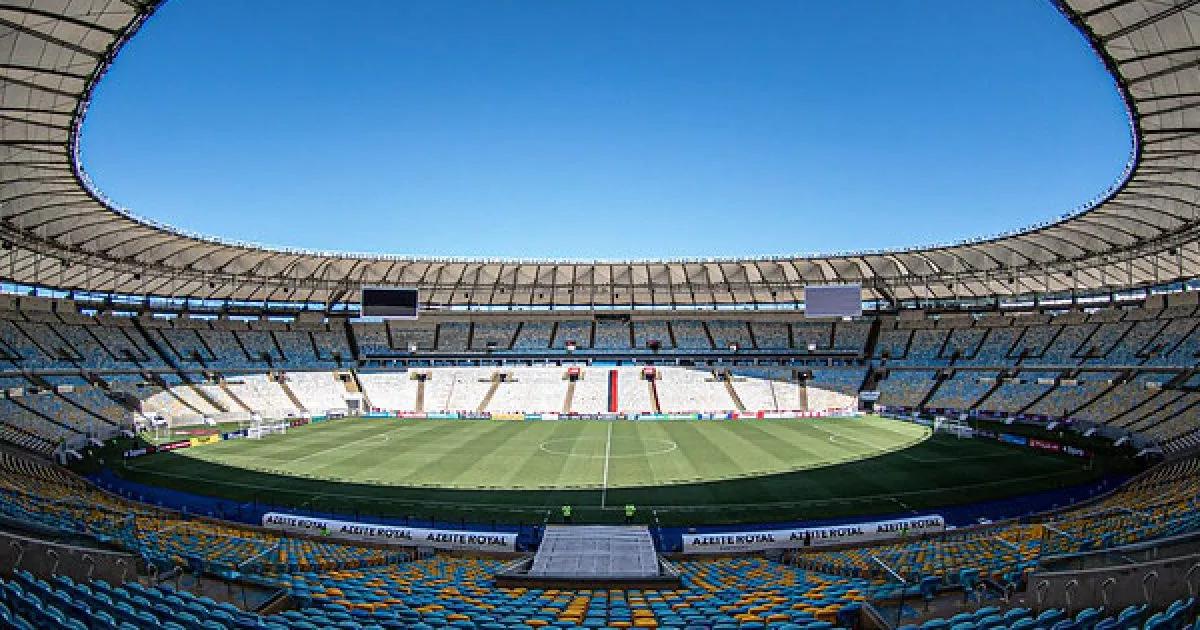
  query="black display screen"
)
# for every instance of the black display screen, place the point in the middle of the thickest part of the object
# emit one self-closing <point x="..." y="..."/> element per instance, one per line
<point x="379" y="302"/>
<point x="833" y="300"/>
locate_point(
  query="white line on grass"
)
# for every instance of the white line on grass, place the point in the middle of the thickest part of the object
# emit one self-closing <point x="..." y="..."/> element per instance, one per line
<point x="338" y="447"/>
<point x="607" y="451"/>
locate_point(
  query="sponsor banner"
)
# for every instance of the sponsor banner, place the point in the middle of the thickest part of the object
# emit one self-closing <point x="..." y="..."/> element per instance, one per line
<point x="736" y="542"/>
<point x="1045" y="445"/>
<point x="391" y="534"/>
<point x="1009" y="438"/>
<point x="208" y="439"/>
<point x="508" y="416"/>
<point x="171" y="446"/>
<point x="136" y="452"/>
<point x="384" y="414"/>
<point x="234" y="435"/>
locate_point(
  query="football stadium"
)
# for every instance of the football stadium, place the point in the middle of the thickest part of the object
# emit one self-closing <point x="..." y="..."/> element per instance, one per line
<point x="206" y="433"/>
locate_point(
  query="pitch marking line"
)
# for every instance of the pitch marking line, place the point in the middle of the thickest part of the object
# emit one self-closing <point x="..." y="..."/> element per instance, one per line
<point x="373" y="436"/>
<point x="607" y="453"/>
<point x="549" y="446"/>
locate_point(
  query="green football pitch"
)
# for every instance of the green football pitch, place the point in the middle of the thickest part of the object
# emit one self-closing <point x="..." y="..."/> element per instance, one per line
<point x="685" y="471"/>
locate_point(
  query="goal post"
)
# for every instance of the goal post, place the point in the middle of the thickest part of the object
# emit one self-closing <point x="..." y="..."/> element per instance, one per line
<point x="260" y="428"/>
<point x="957" y="427"/>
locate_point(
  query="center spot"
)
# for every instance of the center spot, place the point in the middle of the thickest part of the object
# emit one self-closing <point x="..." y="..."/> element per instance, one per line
<point x="620" y="448"/>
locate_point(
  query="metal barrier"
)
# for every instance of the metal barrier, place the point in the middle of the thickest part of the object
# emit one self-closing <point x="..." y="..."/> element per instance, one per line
<point x="44" y="559"/>
<point x="1156" y="583"/>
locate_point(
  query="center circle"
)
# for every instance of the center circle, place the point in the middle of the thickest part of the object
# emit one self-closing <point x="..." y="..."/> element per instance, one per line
<point x="618" y="447"/>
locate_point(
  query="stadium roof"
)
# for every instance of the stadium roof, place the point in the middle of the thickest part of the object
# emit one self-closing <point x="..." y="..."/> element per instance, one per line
<point x="60" y="231"/>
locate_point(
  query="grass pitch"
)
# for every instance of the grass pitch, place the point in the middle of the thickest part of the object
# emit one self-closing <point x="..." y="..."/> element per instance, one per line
<point x="516" y="455"/>
<point x="688" y="471"/>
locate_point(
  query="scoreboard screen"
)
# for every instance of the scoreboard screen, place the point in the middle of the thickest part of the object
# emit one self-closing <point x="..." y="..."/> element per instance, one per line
<point x="384" y="302"/>
<point x="833" y="300"/>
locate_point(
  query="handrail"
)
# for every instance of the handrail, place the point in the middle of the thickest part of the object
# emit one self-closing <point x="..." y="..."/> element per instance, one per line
<point x="888" y="569"/>
<point x="124" y="568"/>
<point x="20" y="553"/>
<point x="1149" y="584"/>
<point x="1105" y="589"/>
<point x="1069" y="591"/>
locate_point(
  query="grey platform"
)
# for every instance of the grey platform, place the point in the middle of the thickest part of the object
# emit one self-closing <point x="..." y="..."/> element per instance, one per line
<point x="589" y="555"/>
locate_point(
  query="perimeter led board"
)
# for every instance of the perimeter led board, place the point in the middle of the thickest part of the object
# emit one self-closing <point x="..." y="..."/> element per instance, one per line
<point x="833" y="300"/>
<point x="393" y="303"/>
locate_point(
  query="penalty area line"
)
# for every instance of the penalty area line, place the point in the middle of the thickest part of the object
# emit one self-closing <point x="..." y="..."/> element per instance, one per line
<point x="374" y="436"/>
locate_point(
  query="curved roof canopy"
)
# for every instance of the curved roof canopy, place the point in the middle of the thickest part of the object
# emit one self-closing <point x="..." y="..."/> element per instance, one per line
<point x="59" y="231"/>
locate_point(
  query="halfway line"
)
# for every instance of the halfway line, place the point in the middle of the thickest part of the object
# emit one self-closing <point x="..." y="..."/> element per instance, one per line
<point x="607" y="450"/>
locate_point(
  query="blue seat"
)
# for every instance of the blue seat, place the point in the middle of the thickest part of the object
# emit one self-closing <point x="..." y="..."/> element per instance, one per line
<point x="969" y="580"/>
<point x="1065" y="624"/>
<point x="928" y="588"/>
<point x="1181" y="610"/>
<point x="986" y="611"/>
<point x="1132" y="615"/>
<point x="1087" y="618"/>
<point x="101" y="620"/>
<point x="1157" y="621"/>
<point x="1049" y="617"/>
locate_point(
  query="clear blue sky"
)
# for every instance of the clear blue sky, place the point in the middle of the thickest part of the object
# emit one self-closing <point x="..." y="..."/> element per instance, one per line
<point x="604" y="128"/>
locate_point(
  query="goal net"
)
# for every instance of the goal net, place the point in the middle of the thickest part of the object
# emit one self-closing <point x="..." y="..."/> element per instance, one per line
<point x="954" y="426"/>
<point x="262" y="428"/>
